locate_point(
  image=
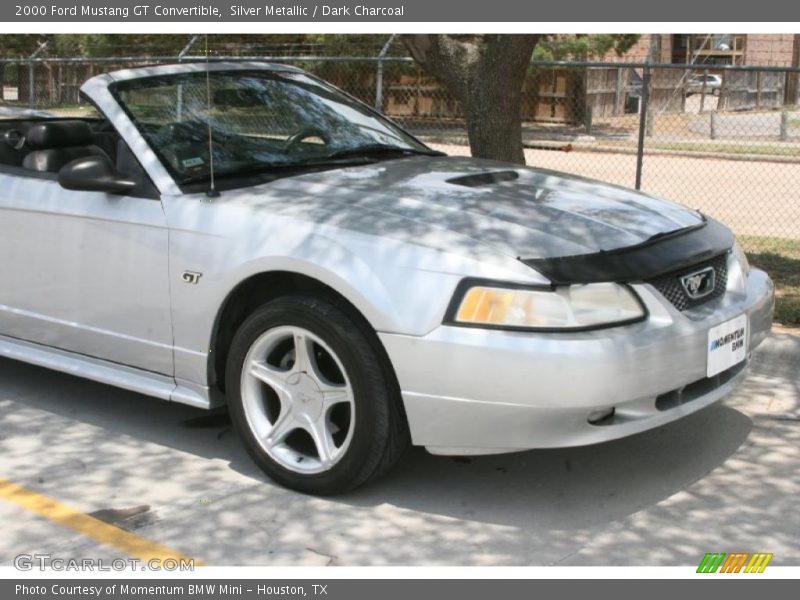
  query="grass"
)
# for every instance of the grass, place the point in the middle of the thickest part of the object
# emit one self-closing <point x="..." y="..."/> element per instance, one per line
<point x="781" y="259"/>
<point x="70" y="111"/>
<point x="725" y="148"/>
<point x="729" y="148"/>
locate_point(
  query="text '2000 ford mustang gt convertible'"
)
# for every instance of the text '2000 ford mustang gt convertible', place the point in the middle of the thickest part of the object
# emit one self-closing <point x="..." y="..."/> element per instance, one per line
<point x="245" y="233"/>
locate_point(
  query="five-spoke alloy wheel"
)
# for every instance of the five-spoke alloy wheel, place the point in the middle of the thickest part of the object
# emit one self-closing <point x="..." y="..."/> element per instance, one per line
<point x="312" y="397"/>
<point x="297" y="399"/>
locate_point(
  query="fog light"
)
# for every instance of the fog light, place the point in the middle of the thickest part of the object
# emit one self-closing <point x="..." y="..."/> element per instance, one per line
<point x="604" y="414"/>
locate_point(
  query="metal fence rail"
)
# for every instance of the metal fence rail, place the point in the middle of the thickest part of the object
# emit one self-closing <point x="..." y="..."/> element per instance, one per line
<point x="723" y="139"/>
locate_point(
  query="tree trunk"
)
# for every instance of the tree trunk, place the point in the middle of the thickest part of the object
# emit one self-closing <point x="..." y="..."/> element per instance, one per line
<point x="494" y="124"/>
<point x="486" y="74"/>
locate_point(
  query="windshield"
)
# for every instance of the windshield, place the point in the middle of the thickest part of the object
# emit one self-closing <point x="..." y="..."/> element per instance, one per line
<point x="257" y="120"/>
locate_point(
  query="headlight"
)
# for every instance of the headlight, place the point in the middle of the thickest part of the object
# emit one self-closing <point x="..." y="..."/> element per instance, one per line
<point x="570" y="307"/>
<point x="741" y="257"/>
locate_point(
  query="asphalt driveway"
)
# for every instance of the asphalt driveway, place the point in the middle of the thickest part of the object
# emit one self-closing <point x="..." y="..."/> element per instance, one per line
<point x="723" y="480"/>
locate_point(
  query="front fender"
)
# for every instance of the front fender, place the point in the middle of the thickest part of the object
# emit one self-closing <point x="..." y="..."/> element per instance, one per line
<point x="399" y="287"/>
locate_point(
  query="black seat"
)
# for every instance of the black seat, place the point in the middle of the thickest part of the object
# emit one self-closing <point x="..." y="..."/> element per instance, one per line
<point x="13" y="149"/>
<point x="55" y="143"/>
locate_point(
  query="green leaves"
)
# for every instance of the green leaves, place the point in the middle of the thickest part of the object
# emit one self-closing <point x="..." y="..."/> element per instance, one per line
<point x="583" y="46"/>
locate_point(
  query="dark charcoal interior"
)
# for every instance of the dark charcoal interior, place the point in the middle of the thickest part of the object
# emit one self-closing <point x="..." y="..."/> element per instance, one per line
<point x="46" y="145"/>
<point x="54" y="144"/>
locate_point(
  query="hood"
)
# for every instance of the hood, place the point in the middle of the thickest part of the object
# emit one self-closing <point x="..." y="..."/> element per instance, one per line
<point x="521" y="212"/>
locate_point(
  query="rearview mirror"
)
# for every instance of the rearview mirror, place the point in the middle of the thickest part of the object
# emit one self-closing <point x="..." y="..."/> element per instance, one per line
<point x="94" y="174"/>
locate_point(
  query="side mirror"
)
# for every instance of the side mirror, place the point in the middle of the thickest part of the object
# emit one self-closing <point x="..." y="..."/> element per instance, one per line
<point x="94" y="174"/>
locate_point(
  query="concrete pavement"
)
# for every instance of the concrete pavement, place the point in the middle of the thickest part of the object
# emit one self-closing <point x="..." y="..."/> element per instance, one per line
<point x="725" y="479"/>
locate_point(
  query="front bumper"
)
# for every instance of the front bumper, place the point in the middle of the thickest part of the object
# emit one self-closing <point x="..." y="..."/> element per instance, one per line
<point x="474" y="391"/>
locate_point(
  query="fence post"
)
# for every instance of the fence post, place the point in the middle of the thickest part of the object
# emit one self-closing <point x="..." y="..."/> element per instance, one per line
<point x="619" y="92"/>
<point x="32" y="75"/>
<point x="759" y="89"/>
<point x="713" y="125"/>
<point x="651" y="123"/>
<point x="187" y="47"/>
<point x="784" y="125"/>
<point x="181" y="54"/>
<point x="703" y="89"/>
<point x="379" y="73"/>
<point x="644" y="111"/>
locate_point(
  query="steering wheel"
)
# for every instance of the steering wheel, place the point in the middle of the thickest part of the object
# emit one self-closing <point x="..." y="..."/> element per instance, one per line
<point x="14" y="138"/>
<point x="304" y="134"/>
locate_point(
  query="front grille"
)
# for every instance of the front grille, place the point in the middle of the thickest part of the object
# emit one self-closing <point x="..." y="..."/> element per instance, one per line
<point x="670" y="284"/>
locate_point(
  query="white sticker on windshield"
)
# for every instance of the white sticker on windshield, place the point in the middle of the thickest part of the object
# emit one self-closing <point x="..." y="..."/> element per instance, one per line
<point x="192" y="162"/>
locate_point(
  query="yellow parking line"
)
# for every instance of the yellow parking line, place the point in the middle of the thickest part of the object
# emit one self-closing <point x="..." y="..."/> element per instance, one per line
<point x="98" y="530"/>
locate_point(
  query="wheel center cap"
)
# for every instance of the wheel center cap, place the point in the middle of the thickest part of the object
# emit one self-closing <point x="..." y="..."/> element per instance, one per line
<point x="306" y="395"/>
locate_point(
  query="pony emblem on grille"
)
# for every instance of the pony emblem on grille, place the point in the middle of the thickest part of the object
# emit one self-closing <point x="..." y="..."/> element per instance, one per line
<point x="700" y="283"/>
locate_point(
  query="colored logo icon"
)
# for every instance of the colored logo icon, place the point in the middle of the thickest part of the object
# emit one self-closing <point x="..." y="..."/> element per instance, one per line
<point x="736" y="562"/>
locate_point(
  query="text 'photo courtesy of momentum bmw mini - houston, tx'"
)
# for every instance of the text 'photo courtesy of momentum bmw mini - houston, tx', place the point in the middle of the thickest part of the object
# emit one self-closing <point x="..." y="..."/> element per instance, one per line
<point x="246" y="234"/>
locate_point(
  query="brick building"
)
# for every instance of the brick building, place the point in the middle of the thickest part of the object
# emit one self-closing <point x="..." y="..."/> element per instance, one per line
<point x="762" y="49"/>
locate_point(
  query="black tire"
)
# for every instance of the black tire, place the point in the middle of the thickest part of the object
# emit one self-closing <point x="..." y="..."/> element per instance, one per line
<point x="380" y="434"/>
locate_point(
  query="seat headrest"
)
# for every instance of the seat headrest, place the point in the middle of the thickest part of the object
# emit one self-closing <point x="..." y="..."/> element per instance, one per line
<point x="59" y="134"/>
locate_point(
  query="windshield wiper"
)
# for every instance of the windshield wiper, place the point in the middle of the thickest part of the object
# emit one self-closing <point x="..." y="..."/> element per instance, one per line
<point x="338" y="158"/>
<point x="373" y="150"/>
<point x="278" y="169"/>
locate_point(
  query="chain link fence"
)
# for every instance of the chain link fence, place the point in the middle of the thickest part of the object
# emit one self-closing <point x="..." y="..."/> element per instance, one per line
<point x="723" y="139"/>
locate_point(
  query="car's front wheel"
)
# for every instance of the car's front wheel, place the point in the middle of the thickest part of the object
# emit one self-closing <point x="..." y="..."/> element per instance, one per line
<point x="311" y="397"/>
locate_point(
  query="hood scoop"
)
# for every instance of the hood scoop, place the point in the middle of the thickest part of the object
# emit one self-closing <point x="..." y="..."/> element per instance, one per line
<point x="483" y="179"/>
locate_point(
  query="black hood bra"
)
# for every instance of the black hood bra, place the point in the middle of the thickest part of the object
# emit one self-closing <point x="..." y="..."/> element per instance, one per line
<point x="656" y="256"/>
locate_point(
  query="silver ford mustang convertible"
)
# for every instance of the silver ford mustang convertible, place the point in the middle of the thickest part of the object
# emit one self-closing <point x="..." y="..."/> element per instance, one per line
<point x="246" y="234"/>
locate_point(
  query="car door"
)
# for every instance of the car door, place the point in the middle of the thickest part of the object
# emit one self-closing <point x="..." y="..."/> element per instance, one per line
<point x="85" y="272"/>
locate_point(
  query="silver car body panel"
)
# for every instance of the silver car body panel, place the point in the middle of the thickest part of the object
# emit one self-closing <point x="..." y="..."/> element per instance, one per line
<point x="85" y="272"/>
<point x="97" y="286"/>
<point x="121" y="376"/>
<point x="472" y="391"/>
